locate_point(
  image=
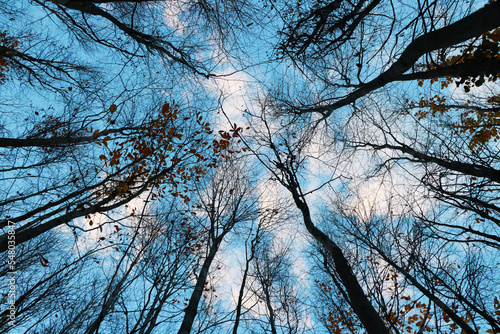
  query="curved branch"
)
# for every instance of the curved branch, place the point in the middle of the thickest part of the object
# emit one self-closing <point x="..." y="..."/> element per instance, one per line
<point x="476" y="24"/>
<point x="461" y="167"/>
<point x="149" y="41"/>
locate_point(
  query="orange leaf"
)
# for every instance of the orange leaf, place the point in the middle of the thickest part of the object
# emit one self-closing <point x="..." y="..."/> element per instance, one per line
<point x="165" y="109"/>
<point x="145" y="151"/>
<point x="105" y="140"/>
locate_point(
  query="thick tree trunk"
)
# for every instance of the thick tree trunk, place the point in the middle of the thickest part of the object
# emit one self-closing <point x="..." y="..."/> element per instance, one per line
<point x="473" y="25"/>
<point x="369" y="317"/>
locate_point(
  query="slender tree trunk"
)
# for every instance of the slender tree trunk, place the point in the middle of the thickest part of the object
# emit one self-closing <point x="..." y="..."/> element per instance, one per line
<point x="243" y="282"/>
<point x="59" y="141"/>
<point x="461" y="167"/>
<point x="453" y="315"/>
<point x="192" y="308"/>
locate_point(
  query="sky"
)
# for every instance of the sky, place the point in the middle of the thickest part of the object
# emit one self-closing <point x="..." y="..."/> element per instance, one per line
<point x="249" y="70"/>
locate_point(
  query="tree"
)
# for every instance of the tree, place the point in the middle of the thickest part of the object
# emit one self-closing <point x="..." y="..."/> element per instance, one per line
<point x="224" y="202"/>
<point x="273" y="286"/>
<point x="100" y="142"/>
<point x="129" y="166"/>
<point x="256" y="242"/>
<point x="471" y="26"/>
<point x="285" y="165"/>
<point x="93" y="285"/>
<point x="453" y="158"/>
<point x="371" y="133"/>
<point x="250" y="252"/>
<point x="124" y="166"/>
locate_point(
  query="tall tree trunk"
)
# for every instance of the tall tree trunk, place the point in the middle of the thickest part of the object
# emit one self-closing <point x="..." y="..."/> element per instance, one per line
<point x="192" y="308"/>
<point x="243" y="282"/>
<point x="369" y="317"/>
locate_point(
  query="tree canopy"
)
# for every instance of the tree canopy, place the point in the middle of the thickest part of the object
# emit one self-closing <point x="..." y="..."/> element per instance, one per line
<point x="237" y="166"/>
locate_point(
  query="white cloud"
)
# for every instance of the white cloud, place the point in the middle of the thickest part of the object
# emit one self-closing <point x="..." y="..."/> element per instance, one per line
<point x="172" y="14"/>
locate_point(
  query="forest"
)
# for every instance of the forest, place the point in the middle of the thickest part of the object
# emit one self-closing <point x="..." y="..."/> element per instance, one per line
<point x="249" y="166"/>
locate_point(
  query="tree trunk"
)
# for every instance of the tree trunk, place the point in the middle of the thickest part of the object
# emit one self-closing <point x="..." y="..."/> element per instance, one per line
<point x="192" y="308"/>
<point x="369" y="317"/>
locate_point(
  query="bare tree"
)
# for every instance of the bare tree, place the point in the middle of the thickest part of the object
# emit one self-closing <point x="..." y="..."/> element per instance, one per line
<point x="284" y="161"/>
<point x="128" y="167"/>
<point x="89" y="129"/>
<point x="273" y="285"/>
<point x="224" y="201"/>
